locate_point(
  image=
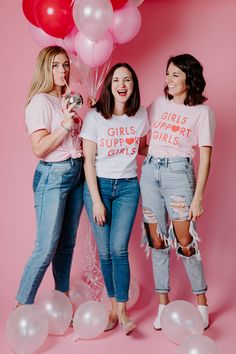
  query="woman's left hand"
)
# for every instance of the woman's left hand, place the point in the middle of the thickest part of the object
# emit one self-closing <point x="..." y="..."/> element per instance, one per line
<point x="196" y="209"/>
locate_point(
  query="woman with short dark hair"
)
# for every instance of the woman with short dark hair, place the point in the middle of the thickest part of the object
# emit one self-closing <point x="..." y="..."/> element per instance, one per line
<point x="179" y="122"/>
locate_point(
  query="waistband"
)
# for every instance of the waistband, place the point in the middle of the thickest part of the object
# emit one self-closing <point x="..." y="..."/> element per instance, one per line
<point x="70" y="159"/>
<point x="165" y="161"/>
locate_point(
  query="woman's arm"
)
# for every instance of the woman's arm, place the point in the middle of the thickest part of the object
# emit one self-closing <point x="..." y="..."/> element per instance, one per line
<point x="203" y="171"/>
<point x="143" y="147"/>
<point x="43" y="142"/>
<point x="89" y="151"/>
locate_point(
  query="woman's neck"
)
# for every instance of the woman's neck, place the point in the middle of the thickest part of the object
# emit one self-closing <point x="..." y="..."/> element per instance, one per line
<point x="56" y="91"/>
<point x="119" y="109"/>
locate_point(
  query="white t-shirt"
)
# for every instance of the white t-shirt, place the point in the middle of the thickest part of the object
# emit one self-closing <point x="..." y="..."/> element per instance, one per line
<point x="117" y="142"/>
<point x="176" y="128"/>
<point x="44" y="112"/>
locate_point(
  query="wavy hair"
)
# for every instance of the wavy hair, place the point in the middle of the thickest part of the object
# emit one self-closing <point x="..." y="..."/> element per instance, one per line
<point x="106" y="103"/>
<point x="195" y="81"/>
<point x="43" y="78"/>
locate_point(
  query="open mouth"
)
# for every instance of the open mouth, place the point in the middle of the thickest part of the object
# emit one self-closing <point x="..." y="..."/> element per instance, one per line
<point x="122" y="92"/>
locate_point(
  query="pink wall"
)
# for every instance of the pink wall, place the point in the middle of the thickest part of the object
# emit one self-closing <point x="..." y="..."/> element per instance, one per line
<point x="204" y="28"/>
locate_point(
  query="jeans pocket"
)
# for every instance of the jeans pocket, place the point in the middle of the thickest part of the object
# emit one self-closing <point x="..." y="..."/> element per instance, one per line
<point x="178" y="167"/>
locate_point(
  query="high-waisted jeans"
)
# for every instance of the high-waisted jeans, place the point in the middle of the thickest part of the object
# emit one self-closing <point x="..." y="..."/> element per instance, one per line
<point x="58" y="197"/>
<point x="120" y="198"/>
<point x="167" y="189"/>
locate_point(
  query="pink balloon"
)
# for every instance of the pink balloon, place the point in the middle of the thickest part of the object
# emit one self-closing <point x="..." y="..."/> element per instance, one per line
<point x="198" y="345"/>
<point x="41" y="38"/>
<point x="126" y="24"/>
<point x="180" y="320"/>
<point x="26" y="329"/>
<point x="68" y="43"/>
<point x="90" y="320"/>
<point x="58" y="309"/>
<point x="93" y="17"/>
<point x="93" y="53"/>
<point x="79" y="293"/>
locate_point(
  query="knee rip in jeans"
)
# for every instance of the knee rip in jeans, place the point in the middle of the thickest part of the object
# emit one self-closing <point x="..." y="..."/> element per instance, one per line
<point x="186" y="250"/>
<point x="179" y="206"/>
<point x="161" y="240"/>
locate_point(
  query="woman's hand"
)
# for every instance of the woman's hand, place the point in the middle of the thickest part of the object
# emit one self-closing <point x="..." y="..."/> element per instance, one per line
<point x="99" y="213"/>
<point x="68" y="112"/>
<point x="196" y="209"/>
<point x="91" y="101"/>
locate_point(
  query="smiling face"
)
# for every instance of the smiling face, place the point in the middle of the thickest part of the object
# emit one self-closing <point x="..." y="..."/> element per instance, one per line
<point x="122" y="85"/>
<point x="60" y="70"/>
<point x="176" y="83"/>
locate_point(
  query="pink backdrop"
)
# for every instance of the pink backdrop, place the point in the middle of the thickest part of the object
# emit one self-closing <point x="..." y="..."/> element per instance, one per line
<point x="204" y="28"/>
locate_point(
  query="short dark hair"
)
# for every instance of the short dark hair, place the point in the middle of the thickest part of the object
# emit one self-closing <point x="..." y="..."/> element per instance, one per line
<point x="106" y="103"/>
<point x="194" y="78"/>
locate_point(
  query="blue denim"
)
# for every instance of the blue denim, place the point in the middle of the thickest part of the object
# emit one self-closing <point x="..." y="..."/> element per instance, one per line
<point x="167" y="189"/>
<point x="58" y="197"/>
<point x="120" y="197"/>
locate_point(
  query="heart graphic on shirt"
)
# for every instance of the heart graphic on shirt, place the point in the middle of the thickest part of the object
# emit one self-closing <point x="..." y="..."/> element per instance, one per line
<point x="175" y="128"/>
<point x="129" y="141"/>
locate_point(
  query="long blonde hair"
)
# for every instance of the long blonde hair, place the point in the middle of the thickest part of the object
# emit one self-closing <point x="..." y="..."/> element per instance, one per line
<point x="43" y="79"/>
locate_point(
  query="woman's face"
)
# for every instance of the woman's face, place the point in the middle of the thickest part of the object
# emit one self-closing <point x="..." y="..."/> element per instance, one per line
<point x="176" y="83"/>
<point x="60" y="69"/>
<point x="122" y="84"/>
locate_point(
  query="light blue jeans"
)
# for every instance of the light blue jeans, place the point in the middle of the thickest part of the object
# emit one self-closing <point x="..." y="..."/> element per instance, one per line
<point x="120" y="197"/>
<point x="167" y="189"/>
<point x="58" y="196"/>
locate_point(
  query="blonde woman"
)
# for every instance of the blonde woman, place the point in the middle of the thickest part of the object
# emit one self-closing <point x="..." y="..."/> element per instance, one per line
<point x="58" y="180"/>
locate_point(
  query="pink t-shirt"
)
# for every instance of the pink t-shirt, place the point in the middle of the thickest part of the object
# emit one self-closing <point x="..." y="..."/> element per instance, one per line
<point x="176" y="128"/>
<point x="44" y="112"/>
<point x="117" y="142"/>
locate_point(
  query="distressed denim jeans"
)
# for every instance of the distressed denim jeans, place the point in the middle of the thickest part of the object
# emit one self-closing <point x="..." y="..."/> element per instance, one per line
<point x="58" y="197"/>
<point x="120" y="198"/>
<point x="167" y="189"/>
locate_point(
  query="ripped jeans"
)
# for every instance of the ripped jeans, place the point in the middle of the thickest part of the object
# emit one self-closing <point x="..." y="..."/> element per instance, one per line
<point x="167" y="189"/>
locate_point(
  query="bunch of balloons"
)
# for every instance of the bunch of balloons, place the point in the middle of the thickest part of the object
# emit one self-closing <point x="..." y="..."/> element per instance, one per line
<point x="89" y="28"/>
<point x="182" y="323"/>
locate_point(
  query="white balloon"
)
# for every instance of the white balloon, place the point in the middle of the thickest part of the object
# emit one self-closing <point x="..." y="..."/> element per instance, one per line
<point x="180" y="320"/>
<point x="58" y="309"/>
<point x="93" y="17"/>
<point x="26" y="329"/>
<point x="198" y="345"/>
<point x="90" y="320"/>
<point x="79" y="293"/>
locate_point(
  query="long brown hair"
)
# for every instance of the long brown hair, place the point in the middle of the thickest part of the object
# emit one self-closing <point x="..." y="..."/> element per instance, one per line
<point x="106" y="103"/>
<point x="43" y="79"/>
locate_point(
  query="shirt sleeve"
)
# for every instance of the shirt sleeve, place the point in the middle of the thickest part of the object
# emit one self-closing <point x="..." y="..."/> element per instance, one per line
<point x="206" y="128"/>
<point x="38" y="114"/>
<point x="89" y="128"/>
<point x="146" y="123"/>
<point x="152" y="110"/>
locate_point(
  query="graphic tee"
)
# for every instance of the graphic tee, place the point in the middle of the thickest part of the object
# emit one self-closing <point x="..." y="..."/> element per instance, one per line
<point x="44" y="112"/>
<point x="176" y="128"/>
<point x="117" y="142"/>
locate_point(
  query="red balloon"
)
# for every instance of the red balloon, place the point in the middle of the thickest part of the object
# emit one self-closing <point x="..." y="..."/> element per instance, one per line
<point x="118" y="4"/>
<point x="55" y="17"/>
<point x="28" y="7"/>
